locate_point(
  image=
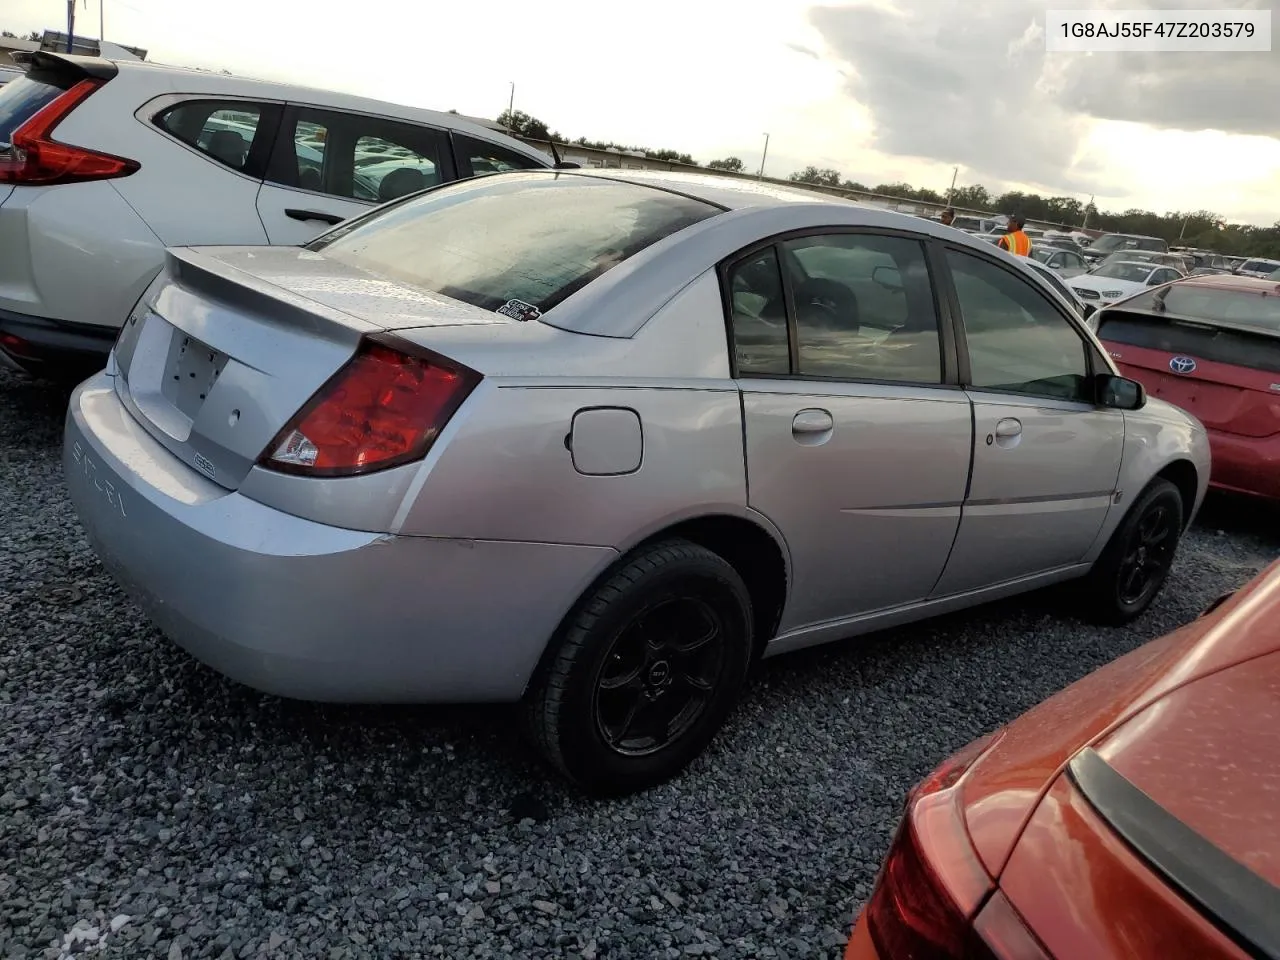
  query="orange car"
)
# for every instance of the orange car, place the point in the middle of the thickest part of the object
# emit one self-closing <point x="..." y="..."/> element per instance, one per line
<point x="1134" y="815"/>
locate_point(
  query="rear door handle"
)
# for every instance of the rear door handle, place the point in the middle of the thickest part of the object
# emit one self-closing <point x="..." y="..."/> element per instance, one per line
<point x="313" y="215"/>
<point x="1008" y="429"/>
<point x="812" y="421"/>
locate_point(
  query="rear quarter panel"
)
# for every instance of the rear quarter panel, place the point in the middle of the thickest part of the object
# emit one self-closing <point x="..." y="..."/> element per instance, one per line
<point x="508" y="474"/>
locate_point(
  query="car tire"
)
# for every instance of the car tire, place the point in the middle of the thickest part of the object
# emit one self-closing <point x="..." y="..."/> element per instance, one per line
<point x="670" y="625"/>
<point x="1134" y="565"/>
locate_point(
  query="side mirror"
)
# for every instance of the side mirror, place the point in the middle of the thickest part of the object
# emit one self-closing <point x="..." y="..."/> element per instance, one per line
<point x="887" y="277"/>
<point x="1120" y="393"/>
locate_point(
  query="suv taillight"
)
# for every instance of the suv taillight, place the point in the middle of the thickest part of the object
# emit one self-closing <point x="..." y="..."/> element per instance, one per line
<point x="35" y="159"/>
<point x="384" y="407"/>
<point x="934" y="900"/>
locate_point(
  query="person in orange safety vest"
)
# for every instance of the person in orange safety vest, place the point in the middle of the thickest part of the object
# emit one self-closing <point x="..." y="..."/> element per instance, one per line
<point x="1015" y="241"/>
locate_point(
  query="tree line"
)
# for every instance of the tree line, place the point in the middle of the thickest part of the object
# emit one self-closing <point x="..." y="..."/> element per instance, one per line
<point x="1200" y="228"/>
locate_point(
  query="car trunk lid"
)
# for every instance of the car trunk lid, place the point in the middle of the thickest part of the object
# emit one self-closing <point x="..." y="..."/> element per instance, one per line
<point x="1206" y="754"/>
<point x="229" y="343"/>
<point x="1227" y="377"/>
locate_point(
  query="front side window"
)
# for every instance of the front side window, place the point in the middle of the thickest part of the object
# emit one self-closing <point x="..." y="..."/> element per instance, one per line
<point x="518" y="244"/>
<point x="221" y="130"/>
<point x="864" y="308"/>
<point x="1017" y="340"/>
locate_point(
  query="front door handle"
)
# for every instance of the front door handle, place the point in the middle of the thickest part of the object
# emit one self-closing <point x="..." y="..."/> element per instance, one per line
<point x="1008" y="428"/>
<point x="812" y="421"/>
<point x="313" y="215"/>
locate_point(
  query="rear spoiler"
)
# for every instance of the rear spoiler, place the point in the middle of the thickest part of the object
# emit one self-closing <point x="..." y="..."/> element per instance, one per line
<point x="84" y="67"/>
<point x="1239" y="902"/>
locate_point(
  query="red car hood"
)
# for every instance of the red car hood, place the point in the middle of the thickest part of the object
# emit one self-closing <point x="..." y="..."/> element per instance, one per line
<point x="1189" y="718"/>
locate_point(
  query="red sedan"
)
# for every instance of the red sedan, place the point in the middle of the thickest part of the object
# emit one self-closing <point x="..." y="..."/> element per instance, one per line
<point x="1133" y="816"/>
<point x="1211" y="345"/>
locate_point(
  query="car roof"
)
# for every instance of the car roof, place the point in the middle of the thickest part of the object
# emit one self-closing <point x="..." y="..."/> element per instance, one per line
<point x="730" y="193"/>
<point x="201" y="82"/>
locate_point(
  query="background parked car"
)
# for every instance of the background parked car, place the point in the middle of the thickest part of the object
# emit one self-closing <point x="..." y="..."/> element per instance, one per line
<point x="1065" y="263"/>
<point x="308" y="419"/>
<point x="1083" y="310"/>
<point x="1121" y="279"/>
<point x="1128" y="817"/>
<point x="1211" y="345"/>
<point x="1258" y="267"/>
<point x="1110" y="243"/>
<point x="1144" y="256"/>
<point x="138" y="166"/>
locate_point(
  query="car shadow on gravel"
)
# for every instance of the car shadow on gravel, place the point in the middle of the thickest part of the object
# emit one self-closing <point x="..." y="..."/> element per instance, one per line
<point x="34" y="410"/>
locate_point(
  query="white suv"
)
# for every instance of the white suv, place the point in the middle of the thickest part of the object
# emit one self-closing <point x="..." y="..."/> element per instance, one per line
<point x="105" y="163"/>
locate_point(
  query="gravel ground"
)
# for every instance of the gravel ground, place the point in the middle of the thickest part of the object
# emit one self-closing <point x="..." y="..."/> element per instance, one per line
<point x="149" y="808"/>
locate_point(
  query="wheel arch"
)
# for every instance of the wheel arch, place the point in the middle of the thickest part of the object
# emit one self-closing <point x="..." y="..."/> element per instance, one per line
<point x="1183" y="475"/>
<point x="757" y="554"/>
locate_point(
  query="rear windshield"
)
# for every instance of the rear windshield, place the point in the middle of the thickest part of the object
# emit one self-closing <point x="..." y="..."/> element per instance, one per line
<point x="517" y="243"/>
<point x="1174" y="335"/>
<point x="1114" y="241"/>
<point x="22" y="98"/>
<point x="1259" y="266"/>
<point x="1133" y="272"/>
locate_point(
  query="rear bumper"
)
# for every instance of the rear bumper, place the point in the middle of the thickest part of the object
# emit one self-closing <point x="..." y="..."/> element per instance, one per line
<point x="1245" y="464"/>
<point x="35" y="344"/>
<point x="300" y="609"/>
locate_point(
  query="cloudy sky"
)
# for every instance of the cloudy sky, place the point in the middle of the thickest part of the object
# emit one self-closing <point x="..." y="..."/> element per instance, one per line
<point x="882" y="90"/>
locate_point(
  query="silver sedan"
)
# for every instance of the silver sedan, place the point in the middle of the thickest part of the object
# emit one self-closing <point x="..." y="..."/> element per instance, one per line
<point x="597" y="441"/>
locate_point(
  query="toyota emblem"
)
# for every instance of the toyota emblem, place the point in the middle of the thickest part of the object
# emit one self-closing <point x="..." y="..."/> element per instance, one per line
<point x="1182" y="365"/>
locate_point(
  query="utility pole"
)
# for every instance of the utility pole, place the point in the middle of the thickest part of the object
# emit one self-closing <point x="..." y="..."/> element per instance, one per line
<point x="1184" y="226"/>
<point x="765" y="154"/>
<point x="71" y="22"/>
<point x="511" y="104"/>
<point x="952" y="189"/>
<point x="102" y="23"/>
<point x="1085" y="225"/>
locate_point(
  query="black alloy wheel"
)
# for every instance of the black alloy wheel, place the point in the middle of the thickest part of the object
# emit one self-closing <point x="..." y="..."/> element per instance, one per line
<point x="644" y="671"/>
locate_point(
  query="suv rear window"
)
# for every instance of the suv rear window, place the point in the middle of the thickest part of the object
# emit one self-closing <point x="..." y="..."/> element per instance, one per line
<point x="23" y="98"/>
<point x="518" y="244"/>
<point x="1152" y="243"/>
<point x="1190" y="324"/>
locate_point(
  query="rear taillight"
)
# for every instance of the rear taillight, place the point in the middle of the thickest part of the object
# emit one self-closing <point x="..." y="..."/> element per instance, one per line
<point x="385" y="407"/>
<point x="35" y="159"/>
<point x="927" y="900"/>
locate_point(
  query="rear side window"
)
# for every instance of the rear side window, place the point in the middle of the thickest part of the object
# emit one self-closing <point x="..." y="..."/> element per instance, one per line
<point x="1151" y="243"/>
<point x="226" y="131"/>
<point x="357" y="156"/>
<point x="518" y="244"/>
<point x="23" y="98"/>
<point x="476" y="158"/>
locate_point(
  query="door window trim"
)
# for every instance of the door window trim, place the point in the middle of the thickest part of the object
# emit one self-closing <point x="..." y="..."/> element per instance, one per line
<point x="288" y="122"/>
<point x="947" y="348"/>
<point x="270" y="115"/>
<point x="1093" y="361"/>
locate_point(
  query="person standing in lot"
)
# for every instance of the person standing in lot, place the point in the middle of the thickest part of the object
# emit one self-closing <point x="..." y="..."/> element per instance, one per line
<point x="1015" y="241"/>
<point x="947" y="217"/>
